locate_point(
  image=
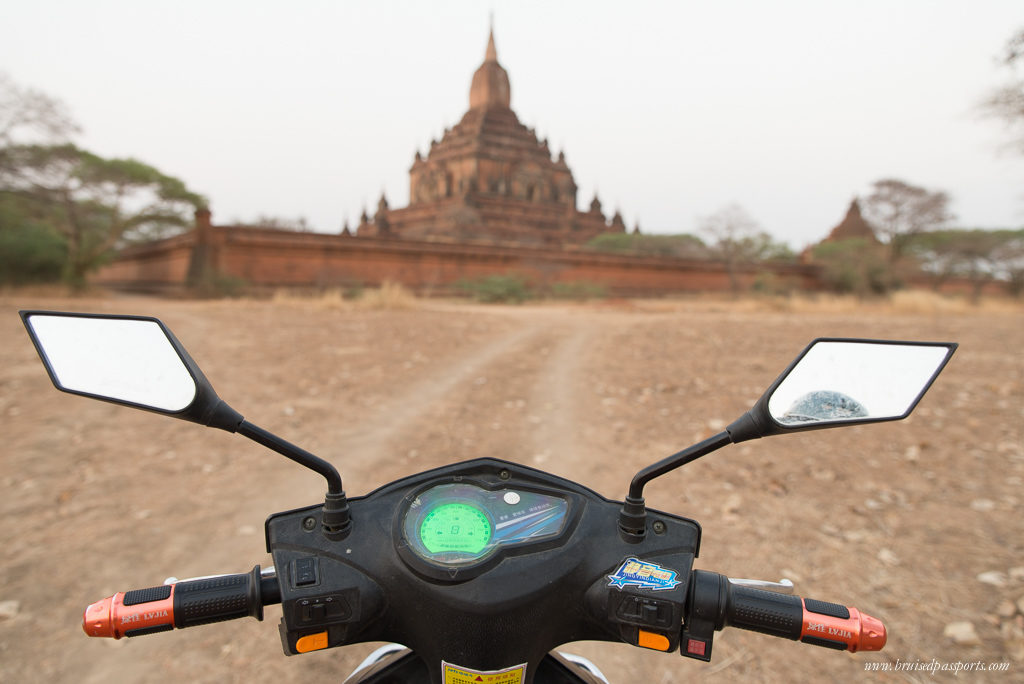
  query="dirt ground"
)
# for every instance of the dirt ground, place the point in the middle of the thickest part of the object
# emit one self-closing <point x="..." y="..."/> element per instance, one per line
<point x="897" y="519"/>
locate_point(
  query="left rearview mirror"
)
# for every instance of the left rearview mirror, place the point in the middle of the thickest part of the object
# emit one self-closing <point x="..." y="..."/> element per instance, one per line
<point x="124" y="360"/>
<point x="129" y="360"/>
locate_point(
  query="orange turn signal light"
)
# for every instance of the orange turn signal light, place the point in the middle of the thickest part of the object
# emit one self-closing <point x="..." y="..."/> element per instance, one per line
<point x="311" y="642"/>
<point x="659" y="642"/>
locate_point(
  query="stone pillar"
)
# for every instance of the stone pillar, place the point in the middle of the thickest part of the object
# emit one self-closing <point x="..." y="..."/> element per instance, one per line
<point x="202" y="265"/>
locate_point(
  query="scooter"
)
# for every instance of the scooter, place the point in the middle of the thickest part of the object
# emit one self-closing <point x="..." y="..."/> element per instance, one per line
<point x="477" y="571"/>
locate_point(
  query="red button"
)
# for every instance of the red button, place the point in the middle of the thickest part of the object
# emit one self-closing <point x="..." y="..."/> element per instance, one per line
<point x="696" y="647"/>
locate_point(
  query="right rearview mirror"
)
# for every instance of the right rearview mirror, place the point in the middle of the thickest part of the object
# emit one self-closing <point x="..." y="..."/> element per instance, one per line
<point x="837" y="382"/>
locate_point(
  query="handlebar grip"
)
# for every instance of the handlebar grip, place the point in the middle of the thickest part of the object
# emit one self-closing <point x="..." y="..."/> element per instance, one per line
<point x="716" y="600"/>
<point x="763" y="611"/>
<point x="215" y="599"/>
<point x="182" y="604"/>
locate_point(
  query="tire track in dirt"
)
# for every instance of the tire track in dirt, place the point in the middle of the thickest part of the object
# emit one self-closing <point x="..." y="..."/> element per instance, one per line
<point x="369" y="447"/>
<point x="555" y="398"/>
<point x="514" y="397"/>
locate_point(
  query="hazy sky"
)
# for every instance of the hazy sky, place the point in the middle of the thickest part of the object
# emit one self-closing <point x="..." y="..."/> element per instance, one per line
<point x="670" y="110"/>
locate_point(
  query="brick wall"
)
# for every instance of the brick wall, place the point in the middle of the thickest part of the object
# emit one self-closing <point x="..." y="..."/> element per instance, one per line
<point x="266" y="258"/>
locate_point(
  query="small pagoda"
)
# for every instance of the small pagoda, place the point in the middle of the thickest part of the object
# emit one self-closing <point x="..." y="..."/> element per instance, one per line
<point x="853" y="226"/>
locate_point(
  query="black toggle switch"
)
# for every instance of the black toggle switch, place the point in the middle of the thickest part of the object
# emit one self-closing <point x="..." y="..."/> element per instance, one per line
<point x="305" y="571"/>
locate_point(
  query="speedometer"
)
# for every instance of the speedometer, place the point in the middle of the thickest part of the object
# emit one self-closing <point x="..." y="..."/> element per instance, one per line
<point x="456" y="527"/>
<point x="453" y="529"/>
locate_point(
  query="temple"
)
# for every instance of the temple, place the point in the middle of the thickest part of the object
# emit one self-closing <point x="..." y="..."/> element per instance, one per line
<point x="853" y="226"/>
<point x="489" y="179"/>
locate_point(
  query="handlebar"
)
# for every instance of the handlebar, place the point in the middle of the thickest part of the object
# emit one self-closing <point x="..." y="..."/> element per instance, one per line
<point x="182" y="604"/>
<point x="716" y="603"/>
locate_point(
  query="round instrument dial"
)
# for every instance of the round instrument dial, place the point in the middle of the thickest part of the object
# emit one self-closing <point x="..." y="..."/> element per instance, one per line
<point x="456" y="527"/>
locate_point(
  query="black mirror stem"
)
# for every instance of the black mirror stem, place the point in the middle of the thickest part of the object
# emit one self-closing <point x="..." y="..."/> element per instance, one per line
<point x="336" y="520"/>
<point x="632" y="519"/>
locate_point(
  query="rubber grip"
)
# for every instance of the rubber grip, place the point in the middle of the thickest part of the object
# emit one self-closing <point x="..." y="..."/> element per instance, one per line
<point x="715" y="602"/>
<point x="184" y="604"/>
<point x="215" y="599"/>
<point x="764" y="611"/>
<point x="137" y="596"/>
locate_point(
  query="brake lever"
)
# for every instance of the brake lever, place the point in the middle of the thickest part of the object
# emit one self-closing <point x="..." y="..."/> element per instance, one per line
<point x="783" y="586"/>
<point x="266" y="572"/>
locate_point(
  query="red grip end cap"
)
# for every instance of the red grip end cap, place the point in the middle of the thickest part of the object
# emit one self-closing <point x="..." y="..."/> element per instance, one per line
<point x="859" y="631"/>
<point x="872" y="633"/>
<point x="111" y="618"/>
<point x="96" y="621"/>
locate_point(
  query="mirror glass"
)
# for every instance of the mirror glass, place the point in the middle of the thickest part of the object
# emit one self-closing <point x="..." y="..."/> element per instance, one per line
<point x="124" y="360"/>
<point x="851" y="381"/>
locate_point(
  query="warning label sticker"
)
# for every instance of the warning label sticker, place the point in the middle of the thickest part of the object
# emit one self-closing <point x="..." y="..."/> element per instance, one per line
<point x="453" y="674"/>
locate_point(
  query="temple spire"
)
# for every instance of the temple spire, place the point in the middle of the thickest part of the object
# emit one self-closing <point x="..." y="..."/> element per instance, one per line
<point x="492" y="53"/>
<point x="490" y="87"/>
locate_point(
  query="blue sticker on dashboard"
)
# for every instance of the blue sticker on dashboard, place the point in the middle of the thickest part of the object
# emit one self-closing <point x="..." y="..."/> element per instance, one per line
<point x="643" y="575"/>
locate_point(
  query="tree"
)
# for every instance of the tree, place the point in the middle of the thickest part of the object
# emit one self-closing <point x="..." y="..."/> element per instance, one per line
<point x="58" y="201"/>
<point x="979" y="256"/>
<point x="1010" y="257"/>
<point x="299" y="225"/>
<point x="898" y="211"/>
<point x="27" y="113"/>
<point x="1007" y="102"/>
<point x="95" y="204"/>
<point x="855" y="266"/>
<point x="680" y="245"/>
<point x="737" y="238"/>
<point x="31" y="251"/>
<point x="761" y="246"/>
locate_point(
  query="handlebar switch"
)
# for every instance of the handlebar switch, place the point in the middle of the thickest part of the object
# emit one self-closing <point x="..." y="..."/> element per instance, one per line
<point x="325" y="603"/>
<point x="318" y="610"/>
<point x="696" y="641"/>
<point x="706" y="599"/>
<point x="646" y="611"/>
<point x="644" y="600"/>
<point x="304" y="571"/>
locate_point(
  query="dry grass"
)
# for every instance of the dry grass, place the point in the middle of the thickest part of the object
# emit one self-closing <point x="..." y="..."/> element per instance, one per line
<point x="389" y="296"/>
<point x="926" y="301"/>
<point x="53" y="291"/>
<point x="393" y="296"/>
<point x="326" y="299"/>
<point x="902" y="302"/>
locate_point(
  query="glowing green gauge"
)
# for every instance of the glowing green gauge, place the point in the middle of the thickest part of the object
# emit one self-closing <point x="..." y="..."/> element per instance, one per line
<point x="455" y="527"/>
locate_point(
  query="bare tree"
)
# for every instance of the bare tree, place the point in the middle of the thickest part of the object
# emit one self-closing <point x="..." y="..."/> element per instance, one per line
<point x="898" y="211"/>
<point x="1007" y="102"/>
<point x="737" y="238"/>
<point x="26" y="113"/>
<point x="299" y="224"/>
